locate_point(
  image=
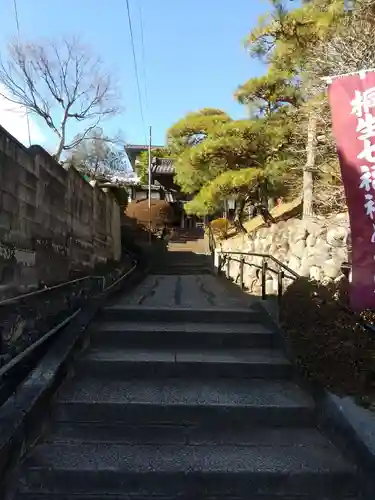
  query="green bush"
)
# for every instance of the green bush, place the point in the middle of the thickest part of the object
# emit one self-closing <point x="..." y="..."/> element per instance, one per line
<point x="329" y="343"/>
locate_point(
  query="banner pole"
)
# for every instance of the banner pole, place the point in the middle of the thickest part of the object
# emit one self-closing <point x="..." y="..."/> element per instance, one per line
<point x="361" y="73"/>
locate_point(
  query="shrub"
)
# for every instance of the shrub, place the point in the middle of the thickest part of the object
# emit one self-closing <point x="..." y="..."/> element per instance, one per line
<point x="161" y="213"/>
<point x="220" y="228"/>
<point x="329" y="342"/>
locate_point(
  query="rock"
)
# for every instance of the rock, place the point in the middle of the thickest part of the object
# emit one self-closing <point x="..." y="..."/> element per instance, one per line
<point x="294" y="264"/>
<point x="280" y="226"/>
<point x="340" y="254"/>
<point x="270" y="290"/>
<point x="314" y="228"/>
<point x="298" y="235"/>
<point x="305" y="267"/>
<point x="311" y="240"/>
<point x="273" y="249"/>
<point x="314" y="248"/>
<point x="298" y="248"/>
<point x="262" y="232"/>
<point x="336" y="236"/>
<point x="266" y="246"/>
<point x="250" y="246"/>
<point x="315" y="273"/>
<point x="332" y="268"/>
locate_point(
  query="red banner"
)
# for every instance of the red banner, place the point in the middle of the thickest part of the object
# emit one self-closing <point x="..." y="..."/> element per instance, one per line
<point x="352" y="101"/>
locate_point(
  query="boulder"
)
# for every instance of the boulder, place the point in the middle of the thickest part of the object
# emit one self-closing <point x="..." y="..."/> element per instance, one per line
<point x="298" y="248"/>
<point x="270" y="289"/>
<point x="311" y="240"/>
<point x="294" y="264"/>
<point x="315" y="273"/>
<point x="332" y="268"/>
<point x="337" y="236"/>
<point x="305" y="267"/>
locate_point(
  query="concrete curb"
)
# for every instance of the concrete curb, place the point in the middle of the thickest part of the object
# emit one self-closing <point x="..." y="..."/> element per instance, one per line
<point x="353" y="428"/>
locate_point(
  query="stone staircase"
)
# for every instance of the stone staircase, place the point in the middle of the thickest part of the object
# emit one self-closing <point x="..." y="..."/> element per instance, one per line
<point x="183" y="263"/>
<point x="188" y="254"/>
<point x="185" y="403"/>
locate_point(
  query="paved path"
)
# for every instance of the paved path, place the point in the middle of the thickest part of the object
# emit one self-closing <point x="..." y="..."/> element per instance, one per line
<point x="190" y="291"/>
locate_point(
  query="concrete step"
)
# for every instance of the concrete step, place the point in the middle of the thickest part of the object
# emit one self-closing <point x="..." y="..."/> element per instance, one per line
<point x="187" y="401"/>
<point x="122" y="334"/>
<point x="181" y="496"/>
<point x="236" y="470"/>
<point x="175" y="314"/>
<point x="187" y="363"/>
<point x="244" y="435"/>
<point x="180" y="271"/>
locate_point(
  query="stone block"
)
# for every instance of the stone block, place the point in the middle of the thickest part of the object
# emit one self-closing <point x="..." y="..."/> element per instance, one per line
<point x="337" y="236"/>
<point x="294" y="263"/>
<point x="298" y="248"/>
<point x="315" y="273"/>
<point x="332" y="268"/>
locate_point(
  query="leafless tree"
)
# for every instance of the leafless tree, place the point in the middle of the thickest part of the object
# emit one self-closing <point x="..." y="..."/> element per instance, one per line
<point x="99" y="156"/>
<point x="61" y="82"/>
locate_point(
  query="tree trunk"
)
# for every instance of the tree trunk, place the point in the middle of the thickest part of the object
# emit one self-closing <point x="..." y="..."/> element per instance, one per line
<point x="308" y="181"/>
<point x="238" y="217"/>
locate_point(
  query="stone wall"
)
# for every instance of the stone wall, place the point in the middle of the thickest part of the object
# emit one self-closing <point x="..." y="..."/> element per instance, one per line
<point x="316" y="249"/>
<point x="52" y="222"/>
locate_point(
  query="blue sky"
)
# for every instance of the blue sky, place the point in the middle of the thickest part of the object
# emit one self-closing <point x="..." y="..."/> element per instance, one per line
<point x="194" y="53"/>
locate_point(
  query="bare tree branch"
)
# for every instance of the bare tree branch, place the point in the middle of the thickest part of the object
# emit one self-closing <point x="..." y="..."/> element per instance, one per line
<point x="98" y="155"/>
<point x="61" y="83"/>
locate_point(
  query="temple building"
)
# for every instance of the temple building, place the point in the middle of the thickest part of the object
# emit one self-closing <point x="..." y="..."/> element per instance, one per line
<point x="163" y="186"/>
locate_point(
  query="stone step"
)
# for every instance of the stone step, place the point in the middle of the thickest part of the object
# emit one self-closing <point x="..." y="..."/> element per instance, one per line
<point x="246" y="434"/>
<point x="167" y="334"/>
<point x="237" y="470"/>
<point x="187" y="363"/>
<point x="187" y="401"/>
<point x="175" y="314"/>
<point x="181" y="496"/>
<point x="180" y="271"/>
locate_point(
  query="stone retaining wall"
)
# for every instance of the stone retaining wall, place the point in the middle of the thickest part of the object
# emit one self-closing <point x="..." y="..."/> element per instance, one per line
<point x="52" y="222"/>
<point x="315" y="248"/>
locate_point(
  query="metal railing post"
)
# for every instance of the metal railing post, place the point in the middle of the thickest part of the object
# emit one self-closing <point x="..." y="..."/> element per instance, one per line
<point x="220" y="263"/>
<point x="280" y="277"/>
<point x="264" y="272"/>
<point x="242" y="261"/>
<point x="228" y="266"/>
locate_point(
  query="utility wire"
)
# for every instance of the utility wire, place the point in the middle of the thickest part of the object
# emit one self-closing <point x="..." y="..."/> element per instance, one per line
<point x="16" y="16"/>
<point x="136" y="69"/>
<point x="143" y="55"/>
<point x="18" y="34"/>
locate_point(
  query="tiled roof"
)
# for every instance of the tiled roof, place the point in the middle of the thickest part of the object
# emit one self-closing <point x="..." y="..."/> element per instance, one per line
<point x="165" y="167"/>
<point x="140" y="147"/>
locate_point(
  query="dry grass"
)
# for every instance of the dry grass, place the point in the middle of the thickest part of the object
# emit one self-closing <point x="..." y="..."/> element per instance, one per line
<point x="282" y="212"/>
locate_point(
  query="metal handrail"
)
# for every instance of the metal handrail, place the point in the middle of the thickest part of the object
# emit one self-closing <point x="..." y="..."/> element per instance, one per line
<point x="48" y="289"/>
<point x="251" y="264"/>
<point x="17" y="359"/>
<point x="266" y="256"/>
<point x="264" y="268"/>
